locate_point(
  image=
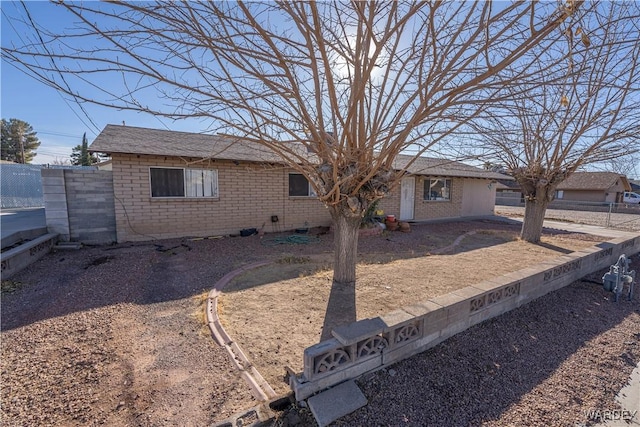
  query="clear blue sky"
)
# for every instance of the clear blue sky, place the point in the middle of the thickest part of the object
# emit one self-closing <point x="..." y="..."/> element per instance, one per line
<point x="59" y="122"/>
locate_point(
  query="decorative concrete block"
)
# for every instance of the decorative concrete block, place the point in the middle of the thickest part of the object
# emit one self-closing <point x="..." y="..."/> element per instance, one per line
<point x="411" y="348"/>
<point x="420" y="326"/>
<point x="477" y="299"/>
<point x="324" y="357"/>
<point x="401" y="328"/>
<point x="358" y="331"/>
<point x="493" y="310"/>
<point x="304" y="389"/>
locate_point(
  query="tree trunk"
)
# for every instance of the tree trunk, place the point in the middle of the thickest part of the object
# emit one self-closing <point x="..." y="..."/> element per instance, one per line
<point x="341" y="307"/>
<point x="345" y="242"/>
<point x="534" y="211"/>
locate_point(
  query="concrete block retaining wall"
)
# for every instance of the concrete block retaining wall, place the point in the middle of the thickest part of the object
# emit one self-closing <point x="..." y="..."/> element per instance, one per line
<point x="369" y="344"/>
<point x="18" y="258"/>
<point x="79" y="205"/>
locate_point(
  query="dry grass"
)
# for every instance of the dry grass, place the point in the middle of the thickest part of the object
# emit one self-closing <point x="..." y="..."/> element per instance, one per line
<point x="276" y="311"/>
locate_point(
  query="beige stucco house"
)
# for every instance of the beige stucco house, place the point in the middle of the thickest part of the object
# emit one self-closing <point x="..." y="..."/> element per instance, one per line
<point x="593" y="187"/>
<point x="175" y="184"/>
<point x="597" y="187"/>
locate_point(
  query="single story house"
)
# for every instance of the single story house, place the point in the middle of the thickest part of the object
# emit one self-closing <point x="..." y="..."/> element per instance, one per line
<point x="607" y="187"/>
<point x="598" y="187"/>
<point x="508" y="193"/>
<point x="174" y="184"/>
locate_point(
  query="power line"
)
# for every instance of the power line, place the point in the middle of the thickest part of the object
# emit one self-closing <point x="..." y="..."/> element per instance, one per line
<point x="44" y="132"/>
<point x="55" y="66"/>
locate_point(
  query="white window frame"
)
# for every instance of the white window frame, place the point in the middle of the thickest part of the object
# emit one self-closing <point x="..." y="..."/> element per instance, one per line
<point x="559" y="194"/>
<point x="310" y="192"/>
<point x="191" y="189"/>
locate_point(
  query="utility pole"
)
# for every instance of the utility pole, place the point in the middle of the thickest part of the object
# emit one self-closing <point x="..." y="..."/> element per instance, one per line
<point x="21" y="148"/>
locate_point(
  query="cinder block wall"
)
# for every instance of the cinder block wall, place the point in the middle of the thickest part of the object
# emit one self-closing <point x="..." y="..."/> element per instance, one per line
<point x="79" y="205"/>
<point x="368" y="344"/>
<point x="55" y="202"/>
<point x="249" y="195"/>
<point x="90" y="204"/>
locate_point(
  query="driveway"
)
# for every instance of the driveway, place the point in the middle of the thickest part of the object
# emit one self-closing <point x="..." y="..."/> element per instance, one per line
<point x="14" y="220"/>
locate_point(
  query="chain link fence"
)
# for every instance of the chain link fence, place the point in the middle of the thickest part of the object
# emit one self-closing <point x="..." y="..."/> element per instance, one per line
<point x="623" y="216"/>
<point x="21" y="185"/>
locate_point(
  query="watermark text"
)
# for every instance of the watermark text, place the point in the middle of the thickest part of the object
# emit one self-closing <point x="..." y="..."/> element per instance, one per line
<point x="609" y="415"/>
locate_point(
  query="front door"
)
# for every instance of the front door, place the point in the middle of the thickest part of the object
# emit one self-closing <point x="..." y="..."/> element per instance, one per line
<point x="407" y="196"/>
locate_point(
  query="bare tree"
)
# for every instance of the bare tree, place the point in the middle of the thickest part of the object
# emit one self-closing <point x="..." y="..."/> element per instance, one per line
<point x="60" y="161"/>
<point x="352" y="84"/>
<point x="587" y="110"/>
<point x="628" y="165"/>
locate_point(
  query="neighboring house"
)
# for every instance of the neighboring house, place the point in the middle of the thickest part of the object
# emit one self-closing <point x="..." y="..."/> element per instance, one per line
<point x="599" y="187"/>
<point x="593" y="187"/>
<point x="104" y="165"/>
<point x="508" y="193"/>
<point x="175" y="184"/>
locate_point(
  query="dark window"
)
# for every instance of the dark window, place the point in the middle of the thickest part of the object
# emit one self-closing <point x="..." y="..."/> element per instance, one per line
<point x="299" y="186"/>
<point x="437" y="189"/>
<point x="167" y="182"/>
<point x="178" y="182"/>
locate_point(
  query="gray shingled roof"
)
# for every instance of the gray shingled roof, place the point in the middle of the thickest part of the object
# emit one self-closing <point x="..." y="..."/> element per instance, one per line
<point x="135" y="140"/>
<point x="591" y="181"/>
<point x="443" y="167"/>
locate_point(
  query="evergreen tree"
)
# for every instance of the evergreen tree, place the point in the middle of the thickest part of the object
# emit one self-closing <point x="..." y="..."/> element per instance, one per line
<point x="80" y="155"/>
<point x="19" y="141"/>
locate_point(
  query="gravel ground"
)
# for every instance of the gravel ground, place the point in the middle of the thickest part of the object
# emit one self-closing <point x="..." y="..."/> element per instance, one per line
<point x="545" y="364"/>
<point x="113" y="336"/>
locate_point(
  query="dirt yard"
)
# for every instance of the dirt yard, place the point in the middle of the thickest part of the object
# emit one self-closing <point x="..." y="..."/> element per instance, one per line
<point x="114" y="335"/>
<point x="275" y="312"/>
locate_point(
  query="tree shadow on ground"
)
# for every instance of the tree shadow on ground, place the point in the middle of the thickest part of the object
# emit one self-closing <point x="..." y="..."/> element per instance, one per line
<point x="554" y="248"/>
<point x="341" y="308"/>
<point x="65" y="282"/>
